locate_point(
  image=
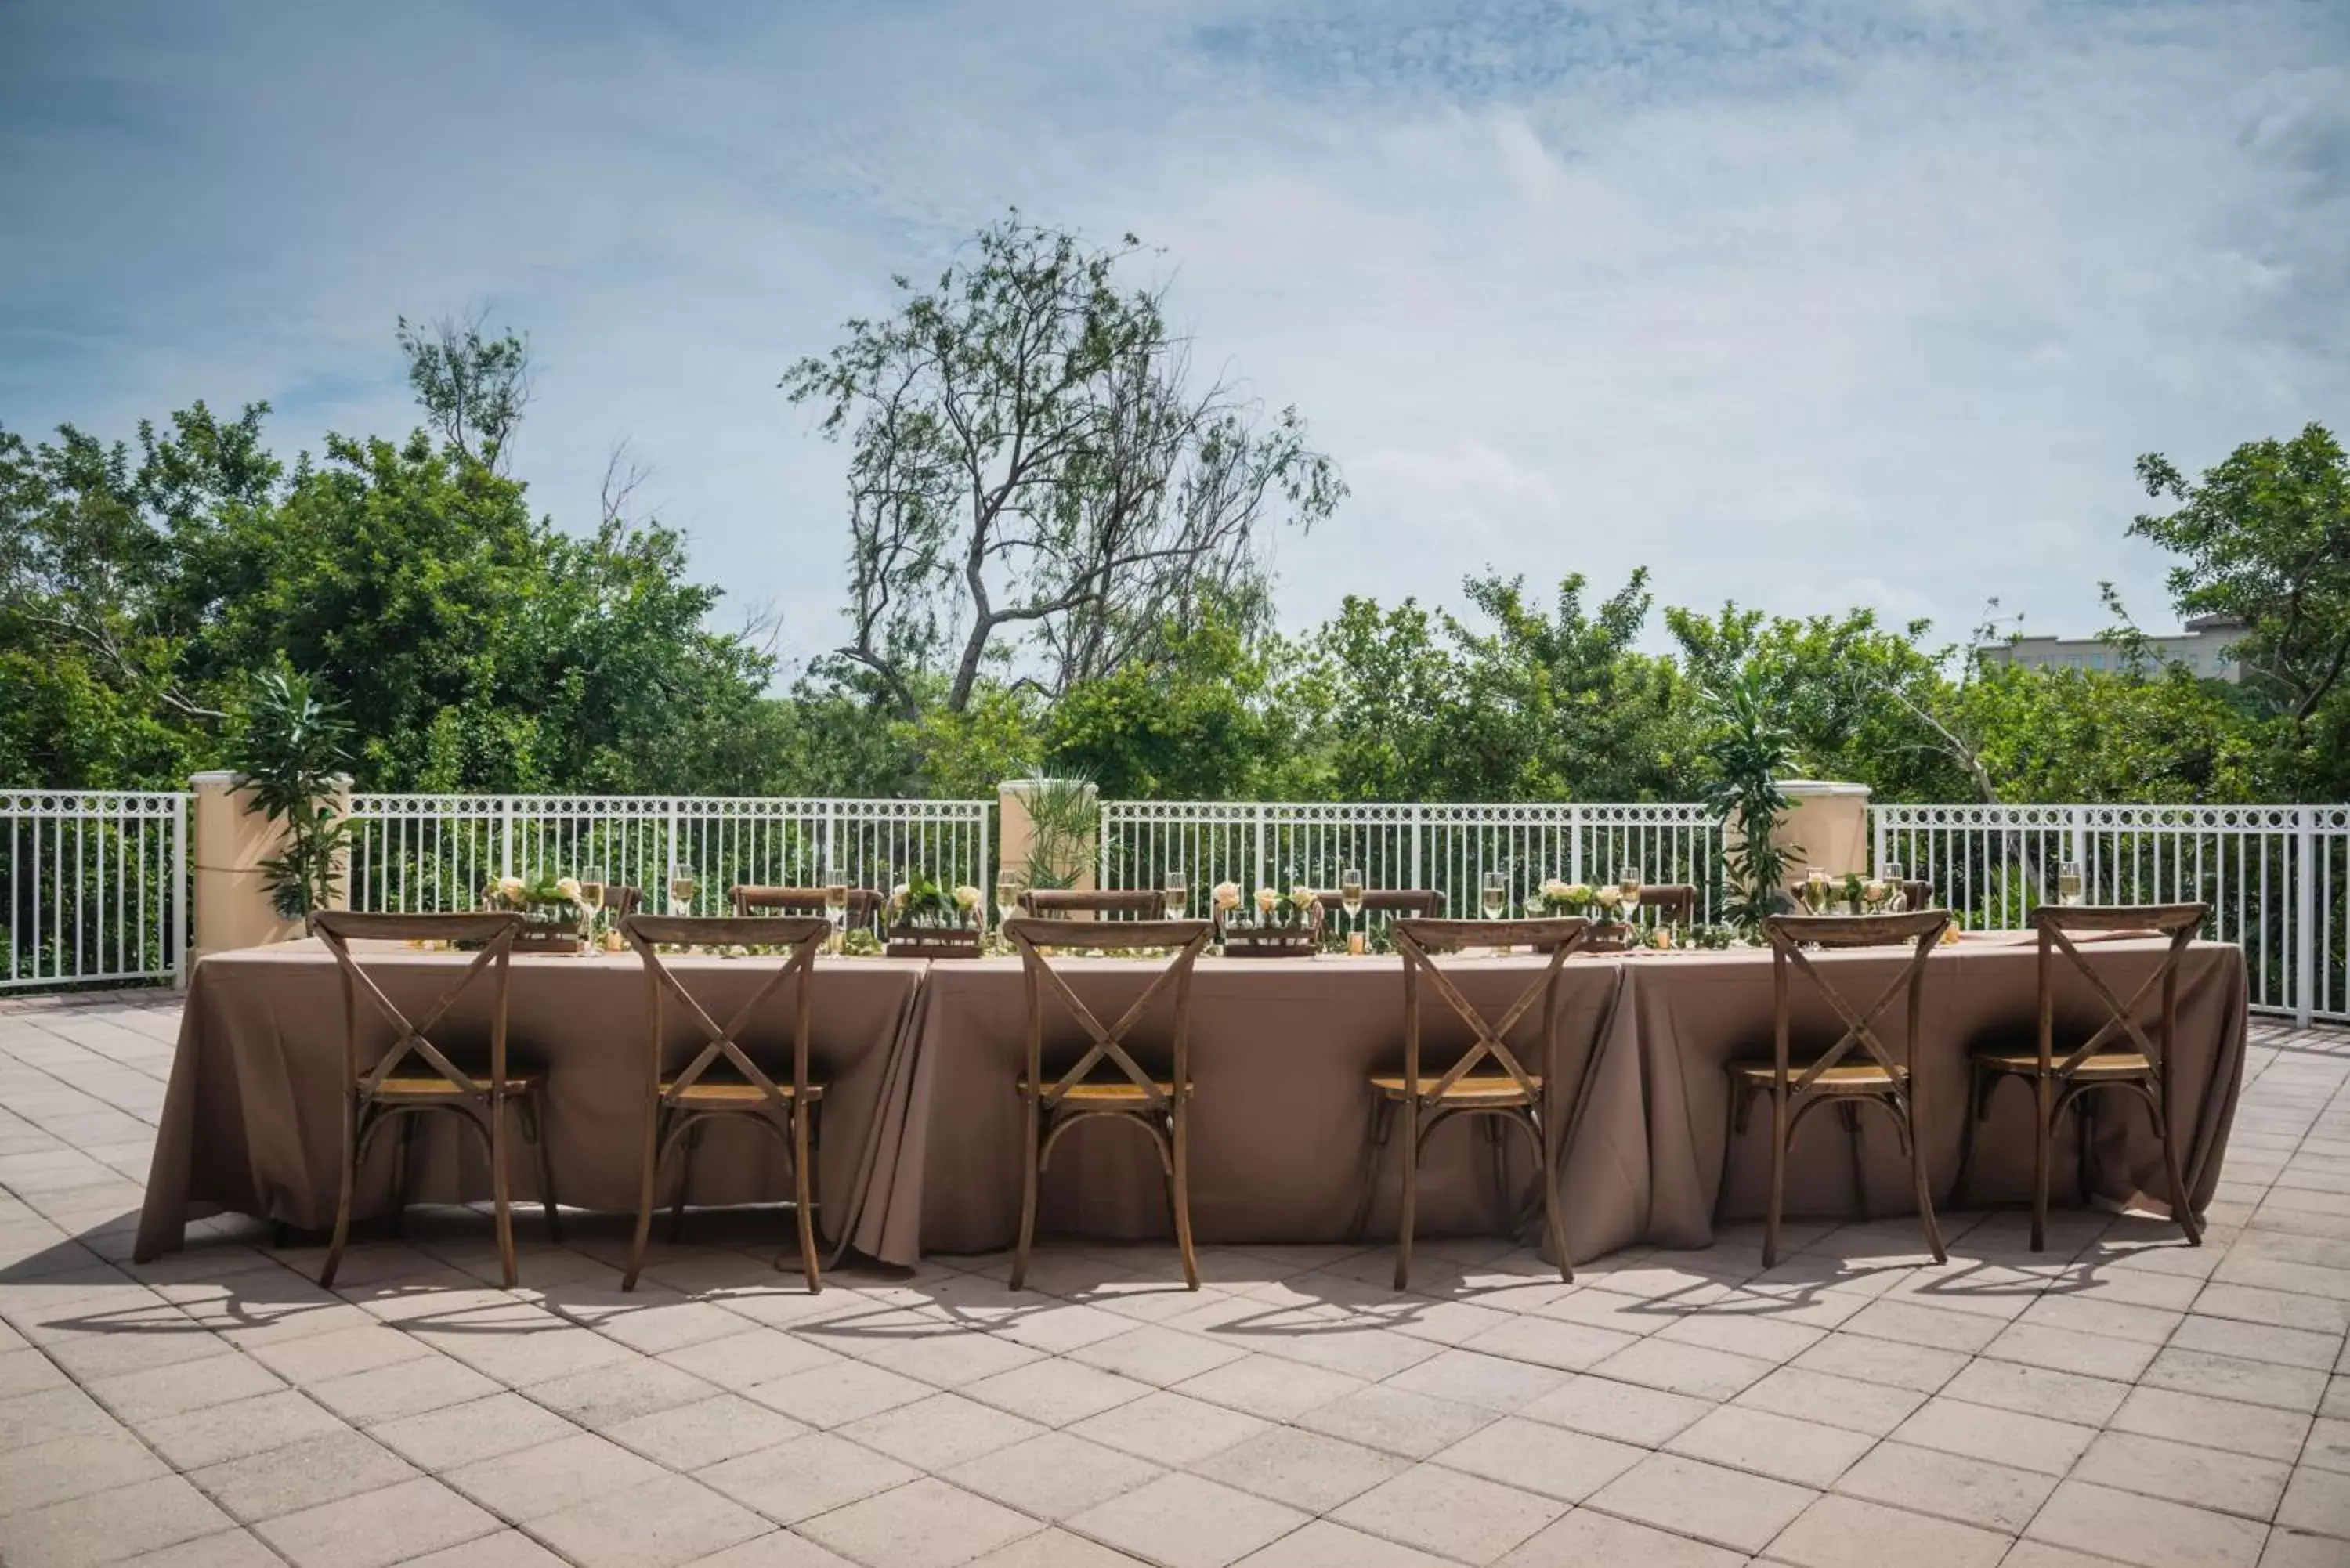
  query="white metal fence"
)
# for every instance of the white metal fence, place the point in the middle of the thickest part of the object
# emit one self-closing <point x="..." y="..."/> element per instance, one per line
<point x="435" y="851"/>
<point x="97" y="887"/>
<point x="1447" y="847"/>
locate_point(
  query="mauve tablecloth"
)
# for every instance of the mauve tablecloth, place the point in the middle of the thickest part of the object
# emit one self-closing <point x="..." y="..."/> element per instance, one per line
<point x="250" y="1123"/>
<point x="921" y="1137"/>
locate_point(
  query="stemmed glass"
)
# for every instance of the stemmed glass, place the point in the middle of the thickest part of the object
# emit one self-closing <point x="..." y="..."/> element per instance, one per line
<point x="1007" y="898"/>
<point x="1495" y="897"/>
<point x="591" y="898"/>
<point x="1815" y="890"/>
<point x="1630" y="885"/>
<point x="2068" y="883"/>
<point x="836" y="910"/>
<point x="1896" y="896"/>
<point x="681" y="888"/>
<point x="1177" y="894"/>
<point x="1350" y="899"/>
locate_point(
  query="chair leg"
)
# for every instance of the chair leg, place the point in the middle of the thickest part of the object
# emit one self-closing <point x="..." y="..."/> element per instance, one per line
<point x="2182" y="1207"/>
<point x="1497" y="1156"/>
<point x="1848" y="1113"/>
<point x="692" y="1141"/>
<point x="2043" y="1139"/>
<point x="501" y="1198"/>
<point x="1980" y="1084"/>
<point x="399" y="1156"/>
<point x="1409" y="1204"/>
<point x="1031" y="1157"/>
<point x="2084" y="1134"/>
<point x="1553" y="1219"/>
<point x="343" y="1198"/>
<point x="1778" y="1179"/>
<point x="1180" y="1135"/>
<point x="803" y="1196"/>
<point x="1914" y="1136"/>
<point x="1382" y="1123"/>
<point x="644" y="1199"/>
<point x="533" y="1128"/>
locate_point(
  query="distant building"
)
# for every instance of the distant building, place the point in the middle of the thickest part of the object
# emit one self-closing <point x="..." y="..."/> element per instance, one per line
<point x="2204" y="646"/>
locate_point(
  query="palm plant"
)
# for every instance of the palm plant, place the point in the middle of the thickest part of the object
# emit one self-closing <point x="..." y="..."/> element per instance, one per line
<point x="1748" y="752"/>
<point x="291" y="753"/>
<point x="1065" y="821"/>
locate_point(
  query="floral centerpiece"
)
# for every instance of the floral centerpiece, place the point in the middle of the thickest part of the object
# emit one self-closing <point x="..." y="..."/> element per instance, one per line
<point x="550" y="905"/>
<point x="1279" y="925"/>
<point x="1602" y="905"/>
<point x="929" y="920"/>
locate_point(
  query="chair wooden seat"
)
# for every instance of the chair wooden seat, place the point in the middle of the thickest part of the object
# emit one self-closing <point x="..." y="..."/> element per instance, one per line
<point x="1845" y="1077"/>
<point x="1128" y="1095"/>
<point x="2102" y="1064"/>
<point x="723" y="1092"/>
<point x="417" y="1087"/>
<point x="1470" y="1088"/>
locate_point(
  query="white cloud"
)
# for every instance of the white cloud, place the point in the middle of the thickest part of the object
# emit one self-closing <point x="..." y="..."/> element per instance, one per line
<point x="1783" y="301"/>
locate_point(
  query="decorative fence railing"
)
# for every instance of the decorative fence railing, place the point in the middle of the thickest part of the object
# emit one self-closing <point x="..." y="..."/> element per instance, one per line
<point x="2276" y="877"/>
<point x="435" y="851"/>
<point x="96" y="887"/>
<point x="1447" y="847"/>
<point x="95" y="884"/>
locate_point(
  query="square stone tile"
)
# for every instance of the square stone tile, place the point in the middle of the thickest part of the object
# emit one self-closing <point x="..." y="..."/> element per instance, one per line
<point x="1440" y="1509"/>
<point x="925" y="1524"/>
<point x="175" y="1390"/>
<point x="1356" y="1346"/>
<point x="1323" y="1545"/>
<point x="1169" y="1429"/>
<point x="669" y="1326"/>
<point x="2198" y="1476"/>
<point x="2286" y="1308"/>
<point x="1053" y="1476"/>
<point x="2038" y="1391"/>
<point x="2260" y="1342"/>
<point x="229" y="1549"/>
<point x="1395" y="1420"/>
<point x="1921" y="1369"/>
<point x="2007" y="1437"/>
<point x="458" y="1435"/>
<point x="111" y="1525"/>
<point x="376" y="1528"/>
<point x="806" y="1477"/>
<point x="1687" y="1497"/>
<point x="2144" y="1531"/>
<point x="1056" y="1393"/>
<point x="1269" y="1386"/>
<point x="835" y="1395"/>
<point x="316" y="1358"/>
<point x="742" y="1359"/>
<point x="2299" y="1549"/>
<point x="1625" y="1411"/>
<point x="1875" y="1408"/>
<point x="1533" y="1456"/>
<point x="2316" y="1500"/>
<point x="40" y="1474"/>
<point x="2328" y="1448"/>
<point x="2103" y="1319"/>
<point x="1157" y="1356"/>
<point x="1846" y="1532"/>
<point x="1302" y="1468"/>
<point x="528" y="1484"/>
<point x="604" y="1396"/>
<point x="1551" y="1342"/>
<point x="505" y="1549"/>
<point x="1045" y="1549"/>
<point x="707" y="1432"/>
<point x="1691" y="1369"/>
<point x="660" y="1523"/>
<point x="1783" y="1446"/>
<point x="403" y="1389"/>
<point x="1186" y="1521"/>
<point x="1761" y="1336"/>
<point x="521" y="1345"/>
<point x="2297" y="1389"/>
<point x="1488" y="1382"/>
<point x="336" y="1465"/>
<point x="231" y="1431"/>
<point x="1588" y="1538"/>
<point x="1971" y="1492"/>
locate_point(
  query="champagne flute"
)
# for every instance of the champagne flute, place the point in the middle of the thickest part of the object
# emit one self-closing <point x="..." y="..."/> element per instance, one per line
<point x="681" y="890"/>
<point x="1495" y="897"/>
<point x="1630" y="884"/>
<point x="591" y="893"/>
<point x="2068" y="883"/>
<point x="1350" y="895"/>
<point x="1007" y="898"/>
<point x="1177" y="894"/>
<point x="1896" y="896"/>
<point x="836" y="910"/>
<point x="1815" y="890"/>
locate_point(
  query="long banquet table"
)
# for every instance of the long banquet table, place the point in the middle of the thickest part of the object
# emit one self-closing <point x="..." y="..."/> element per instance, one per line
<point x="921" y="1141"/>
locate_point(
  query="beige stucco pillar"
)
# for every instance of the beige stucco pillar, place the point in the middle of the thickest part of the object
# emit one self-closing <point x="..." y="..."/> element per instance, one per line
<point x="1016" y="836"/>
<point x="1826" y="826"/>
<point x="231" y="900"/>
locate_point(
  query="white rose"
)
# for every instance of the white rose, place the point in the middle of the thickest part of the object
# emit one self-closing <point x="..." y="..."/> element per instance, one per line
<point x="1578" y="893"/>
<point x="510" y="888"/>
<point x="968" y="897"/>
<point x="568" y="888"/>
<point x="1553" y="888"/>
<point x="1265" y="900"/>
<point x="1609" y="897"/>
<point x="1301" y="895"/>
<point x="1228" y="895"/>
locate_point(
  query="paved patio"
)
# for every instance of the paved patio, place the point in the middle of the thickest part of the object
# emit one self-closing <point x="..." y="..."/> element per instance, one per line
<point x="2121" y="1398"/>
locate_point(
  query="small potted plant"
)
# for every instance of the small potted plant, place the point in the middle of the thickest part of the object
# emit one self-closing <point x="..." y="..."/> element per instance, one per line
<point x="927" y="919"/>
<point x="1284" y="925"/>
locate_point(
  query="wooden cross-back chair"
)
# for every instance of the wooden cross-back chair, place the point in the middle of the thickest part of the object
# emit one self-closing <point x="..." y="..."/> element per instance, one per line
<point x="1918" y="894"/>
<point x="1160" y="1106"/>
<point x="1511" y="1095"/>
<point x="679" y="1104"/>
<point x="1143" y="903"/>
<point x="621" y="901"/>
<point x="1797" y="1086"/>
<point x="1426" y="903"/>
<point x="397" y="1087"/>
<point x="2065" y="1080"/>
<point x="864" y="905"/>
<point x="1672" y="903"/>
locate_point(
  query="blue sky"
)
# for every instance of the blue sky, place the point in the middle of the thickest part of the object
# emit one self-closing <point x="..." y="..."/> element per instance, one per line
<point x="1802" y="303"/>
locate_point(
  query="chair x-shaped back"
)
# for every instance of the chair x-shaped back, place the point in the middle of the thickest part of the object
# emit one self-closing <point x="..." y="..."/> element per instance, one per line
<point x="1416" y="940"/>
<point x="804" y="935"/>
<point x="1786" y="932"/>
<point x="2179" y="922"/>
